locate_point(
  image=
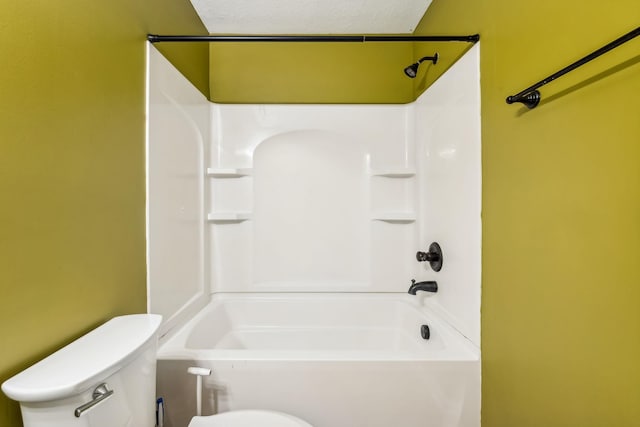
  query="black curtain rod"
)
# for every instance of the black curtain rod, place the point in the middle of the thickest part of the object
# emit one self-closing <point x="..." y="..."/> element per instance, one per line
<point x="531" y="96"/>
<point x="153" y="38"/>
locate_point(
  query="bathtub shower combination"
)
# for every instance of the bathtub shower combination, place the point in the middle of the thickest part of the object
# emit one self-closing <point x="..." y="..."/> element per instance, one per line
<point x="282" y="245"/>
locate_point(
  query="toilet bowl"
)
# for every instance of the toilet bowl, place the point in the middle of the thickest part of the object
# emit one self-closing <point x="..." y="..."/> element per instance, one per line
<point x="244" y="418"/>
<point x="107" y="378"/>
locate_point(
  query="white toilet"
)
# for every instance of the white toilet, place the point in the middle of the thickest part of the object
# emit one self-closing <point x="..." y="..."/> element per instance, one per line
<point x="107" y="379"/>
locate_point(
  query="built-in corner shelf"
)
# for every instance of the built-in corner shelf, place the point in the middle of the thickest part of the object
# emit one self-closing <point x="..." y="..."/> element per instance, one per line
<point x="382" y="188"/>
<point x="226" y="217"/>
<point x="226" y="191"/>
<point x="228" y="172"/>
<point x="395" y="217"/>
<point x="394" y="173"/>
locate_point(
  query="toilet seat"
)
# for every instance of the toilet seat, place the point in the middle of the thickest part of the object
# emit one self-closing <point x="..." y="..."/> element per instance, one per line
<point x="249" y="418"/>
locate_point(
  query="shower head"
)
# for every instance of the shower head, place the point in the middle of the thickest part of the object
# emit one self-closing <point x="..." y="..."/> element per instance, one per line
<point x="412" y="70"/>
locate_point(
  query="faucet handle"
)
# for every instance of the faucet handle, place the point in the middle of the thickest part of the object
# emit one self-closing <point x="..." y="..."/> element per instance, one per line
<point x="434" y="256"/>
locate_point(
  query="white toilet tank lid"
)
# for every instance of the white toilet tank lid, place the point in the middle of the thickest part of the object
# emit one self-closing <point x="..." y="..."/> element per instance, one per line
<point x="89" y="359"/>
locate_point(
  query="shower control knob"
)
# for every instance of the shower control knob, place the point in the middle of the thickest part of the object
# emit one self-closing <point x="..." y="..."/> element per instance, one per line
<point x="427" y="256"/>
<point x="433" y="257"/>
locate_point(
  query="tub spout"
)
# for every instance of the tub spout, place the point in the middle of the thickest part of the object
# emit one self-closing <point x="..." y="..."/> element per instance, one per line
<point x="429" y="286"/>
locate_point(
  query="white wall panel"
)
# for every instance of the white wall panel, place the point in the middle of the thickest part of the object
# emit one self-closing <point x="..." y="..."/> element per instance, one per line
<point x="324" y="198"/>
<point x="449" y="162"/>
<point x="178" y="134"/>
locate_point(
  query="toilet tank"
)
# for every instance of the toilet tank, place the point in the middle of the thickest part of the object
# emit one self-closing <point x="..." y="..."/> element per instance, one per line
<point x="121" y="354"/>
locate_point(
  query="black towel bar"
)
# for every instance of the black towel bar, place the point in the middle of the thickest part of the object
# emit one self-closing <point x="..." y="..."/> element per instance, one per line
<point x="531" y="96"/>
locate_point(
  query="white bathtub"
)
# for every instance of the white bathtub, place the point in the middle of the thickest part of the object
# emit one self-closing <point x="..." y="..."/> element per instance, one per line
<point x="335" y="360"/>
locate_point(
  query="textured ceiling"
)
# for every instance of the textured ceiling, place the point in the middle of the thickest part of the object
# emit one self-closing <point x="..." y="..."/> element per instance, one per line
<point x="311" y="16"/>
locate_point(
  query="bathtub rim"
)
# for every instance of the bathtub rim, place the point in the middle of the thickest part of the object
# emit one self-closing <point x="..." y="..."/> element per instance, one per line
<point x="172" y="344"/>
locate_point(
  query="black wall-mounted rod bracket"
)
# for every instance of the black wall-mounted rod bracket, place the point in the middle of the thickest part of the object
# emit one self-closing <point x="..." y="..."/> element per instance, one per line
<point x="154" y="38"/>
<point x="531" y="96"/>
<point x="530" y="100"/>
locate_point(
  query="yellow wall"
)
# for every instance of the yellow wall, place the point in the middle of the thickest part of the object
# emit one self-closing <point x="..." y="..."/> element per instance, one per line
<point x="72" y="229"/>
<point x="561" y="211"/>
<point x="310" y="72"/>
<point x="561" y="184"/>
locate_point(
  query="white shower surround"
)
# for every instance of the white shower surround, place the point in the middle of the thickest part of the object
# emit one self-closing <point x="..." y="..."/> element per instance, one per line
<point x="265" y="199"/>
